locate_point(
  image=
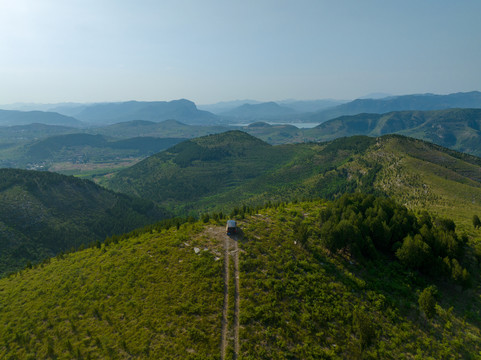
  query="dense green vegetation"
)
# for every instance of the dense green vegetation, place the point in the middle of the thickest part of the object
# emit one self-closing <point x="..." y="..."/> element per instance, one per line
<point x="365" y="226"/>
<point x="158" y="292"/>
<point x="301" y="301"/>
<point x="45" y="213"/>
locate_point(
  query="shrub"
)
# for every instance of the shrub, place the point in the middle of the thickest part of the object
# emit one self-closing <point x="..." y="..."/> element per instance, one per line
<point x="427" y="301"/>
<point x="414" y="252"/>
<point x="362" y="322"/>
<point x="476" y="221"/>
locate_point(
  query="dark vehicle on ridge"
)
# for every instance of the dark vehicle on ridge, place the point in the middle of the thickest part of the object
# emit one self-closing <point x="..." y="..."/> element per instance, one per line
<point x="231" y="227"/>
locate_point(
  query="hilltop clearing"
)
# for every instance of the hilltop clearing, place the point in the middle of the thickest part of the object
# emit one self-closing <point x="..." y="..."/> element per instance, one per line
<point x="160" y="292"/>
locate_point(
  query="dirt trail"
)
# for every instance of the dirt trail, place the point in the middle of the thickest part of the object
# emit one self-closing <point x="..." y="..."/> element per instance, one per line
<point x="230" y="332"/>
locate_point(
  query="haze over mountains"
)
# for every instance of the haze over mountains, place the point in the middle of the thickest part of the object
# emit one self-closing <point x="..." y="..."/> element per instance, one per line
<point x="15" y="117"/>
<point x="284" y="111"/>
<point x="399" y="103"/>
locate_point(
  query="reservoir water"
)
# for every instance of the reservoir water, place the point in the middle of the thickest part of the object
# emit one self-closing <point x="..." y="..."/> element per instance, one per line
<point x="298" y="125"/>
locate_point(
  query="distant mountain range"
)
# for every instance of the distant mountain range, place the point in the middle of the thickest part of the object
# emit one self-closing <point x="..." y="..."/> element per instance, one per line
<point x="14" y="117"/>
<point x="299" y="106"/>
<point x="287" y="111"/>
<point x="457" y="129"/>
<point x="398" y="103"/>
<point x="111" y="113"/>
<point x="267" y="110"/>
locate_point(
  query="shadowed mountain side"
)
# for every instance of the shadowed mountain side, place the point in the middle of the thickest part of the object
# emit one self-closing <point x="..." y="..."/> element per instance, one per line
<point x="44" y="213"/>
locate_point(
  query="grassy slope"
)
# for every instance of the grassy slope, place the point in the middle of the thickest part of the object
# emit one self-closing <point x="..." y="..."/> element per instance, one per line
<point x="425" y="176"/>
<point x="151" y="296"/>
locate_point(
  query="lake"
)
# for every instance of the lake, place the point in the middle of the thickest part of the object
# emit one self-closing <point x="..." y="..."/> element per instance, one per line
<point x="298" y="125"/>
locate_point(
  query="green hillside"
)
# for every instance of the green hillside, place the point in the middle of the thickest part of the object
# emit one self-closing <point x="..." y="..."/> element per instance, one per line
<point x="42" y="214"/>
<point x="203" y="167"/>
<point x="282" y="289"/>
<point x="457" y="129"/>
<point x="221" y="171"/>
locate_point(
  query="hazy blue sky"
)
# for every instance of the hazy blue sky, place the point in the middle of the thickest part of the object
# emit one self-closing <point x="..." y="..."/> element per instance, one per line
<point x="215" y="50"/>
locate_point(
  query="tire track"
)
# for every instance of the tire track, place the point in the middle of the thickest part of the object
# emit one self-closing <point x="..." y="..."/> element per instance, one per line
<point x="225" y="309"/>
<point x="230" y="332"/>
<point x="237" y="299"/>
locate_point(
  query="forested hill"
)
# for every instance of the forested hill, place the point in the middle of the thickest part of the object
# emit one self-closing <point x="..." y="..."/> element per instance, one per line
<point x="204" y="167"/>
<point x="43" y="213"/>
<point x="360" y="277"/>
<point x="221" y="171"/>
<point x="457" y="129"/>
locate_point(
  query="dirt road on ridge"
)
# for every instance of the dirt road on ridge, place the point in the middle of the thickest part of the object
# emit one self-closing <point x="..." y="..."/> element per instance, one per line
<point x="230" y="329"/>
